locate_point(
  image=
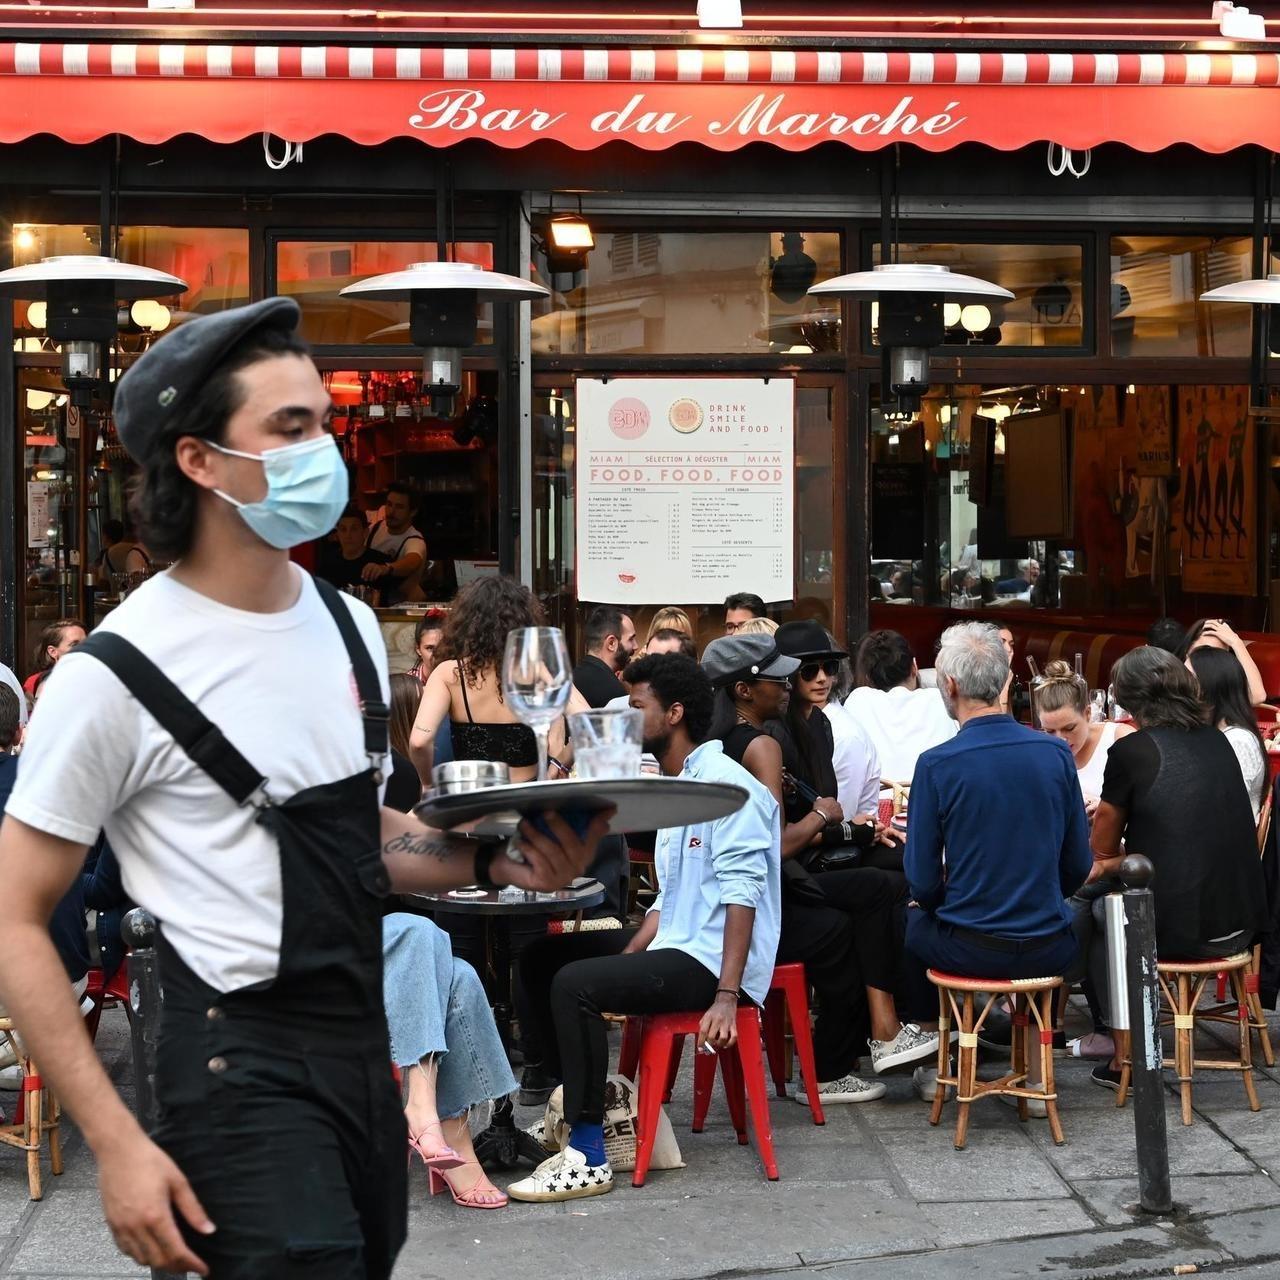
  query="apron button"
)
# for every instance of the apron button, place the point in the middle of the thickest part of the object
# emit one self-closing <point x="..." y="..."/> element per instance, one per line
<point x="217" y="1065"/>
<point x="377" y="777"/>
<point x="213" y="1013"/>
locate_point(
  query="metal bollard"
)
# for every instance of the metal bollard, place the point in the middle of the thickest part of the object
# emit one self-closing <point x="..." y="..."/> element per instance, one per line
<point x="139" y="931"/>
<point x="1145" y="1050"/>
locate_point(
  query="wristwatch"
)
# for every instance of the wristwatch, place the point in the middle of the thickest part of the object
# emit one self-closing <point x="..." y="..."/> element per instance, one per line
<point x="485" y="854"/>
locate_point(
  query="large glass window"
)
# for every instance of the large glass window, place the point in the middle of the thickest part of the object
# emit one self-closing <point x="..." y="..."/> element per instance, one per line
<point x="214" y="261"/>
<point x="692" y="292"/>
<point x="1156" y="283"/>
<point x="1048" y="308"/>
<point x="314" y="272"/>
<point x="1095" y="499"/>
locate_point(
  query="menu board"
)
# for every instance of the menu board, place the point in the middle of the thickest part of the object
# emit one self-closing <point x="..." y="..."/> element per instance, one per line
<point x="685" y="489"/>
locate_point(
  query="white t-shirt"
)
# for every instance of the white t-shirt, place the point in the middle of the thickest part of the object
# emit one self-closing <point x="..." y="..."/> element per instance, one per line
<point x="7" y="677"/>
<point x="278" y="685"/>
<point x="856" y="763"/>
<point x="1253" y="764"/>
<point x="396" y="545"/>
<point x="901" y="724"/>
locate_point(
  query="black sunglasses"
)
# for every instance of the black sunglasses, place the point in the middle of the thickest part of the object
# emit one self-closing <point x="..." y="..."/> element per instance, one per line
<point x="809" y="670"/>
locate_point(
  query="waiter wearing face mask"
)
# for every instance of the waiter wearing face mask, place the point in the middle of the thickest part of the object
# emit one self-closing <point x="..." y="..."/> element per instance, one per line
<point x="227" y="726"/>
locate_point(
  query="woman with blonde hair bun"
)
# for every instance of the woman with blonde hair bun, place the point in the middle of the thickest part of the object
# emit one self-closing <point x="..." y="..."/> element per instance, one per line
<point x="1062" y="704"/>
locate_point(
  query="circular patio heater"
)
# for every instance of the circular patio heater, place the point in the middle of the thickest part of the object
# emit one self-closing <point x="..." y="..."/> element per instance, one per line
<point x="1263" y="292"/>
<point x="443" y="298"/>
<point x="82" y="293"/>
<point x="911" y="297"/>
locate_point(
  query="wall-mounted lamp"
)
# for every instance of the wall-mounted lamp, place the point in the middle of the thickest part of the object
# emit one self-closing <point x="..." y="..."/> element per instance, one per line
<point x="717" y="14"/>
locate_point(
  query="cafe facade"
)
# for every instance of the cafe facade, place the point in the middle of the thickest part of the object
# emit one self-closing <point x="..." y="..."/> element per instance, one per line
<point x="1093" y="453"/>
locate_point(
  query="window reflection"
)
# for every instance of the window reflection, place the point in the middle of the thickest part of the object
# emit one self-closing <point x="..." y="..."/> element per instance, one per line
<point x="1048" y="306"/>
<point x="674" y="293"/>
<point x="315" y="271"/>
<point x="1156" y="282"/>
<point x="214" y="261"/>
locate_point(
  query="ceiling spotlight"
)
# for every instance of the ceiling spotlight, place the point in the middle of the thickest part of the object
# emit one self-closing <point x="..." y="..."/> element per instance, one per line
<point x="716" y="14"/>
<point x="24" y="239"/>
<point x="1237" y="23"/>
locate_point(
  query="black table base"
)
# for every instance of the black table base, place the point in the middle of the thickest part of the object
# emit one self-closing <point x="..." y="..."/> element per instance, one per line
<point x="503" y="1145"/>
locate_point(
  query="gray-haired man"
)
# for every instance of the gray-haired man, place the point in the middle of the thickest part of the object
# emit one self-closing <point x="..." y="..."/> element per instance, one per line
<point x="1005" y="803"/>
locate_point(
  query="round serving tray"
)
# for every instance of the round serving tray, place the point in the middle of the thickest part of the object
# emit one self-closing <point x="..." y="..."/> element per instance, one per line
<point x="643" y="804"/>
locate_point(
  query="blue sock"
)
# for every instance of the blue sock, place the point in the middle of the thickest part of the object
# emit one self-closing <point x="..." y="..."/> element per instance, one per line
<point x="589" y="1140"/>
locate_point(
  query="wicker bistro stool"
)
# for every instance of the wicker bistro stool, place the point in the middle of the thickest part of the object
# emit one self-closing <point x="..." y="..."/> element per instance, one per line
<point x="36" y="1117"/>
<point x="1030" y="999"/>
<point x="1183" y="982"/>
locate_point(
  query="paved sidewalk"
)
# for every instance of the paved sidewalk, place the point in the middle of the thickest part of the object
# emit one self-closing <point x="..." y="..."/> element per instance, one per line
<point x="876" y="1193"/>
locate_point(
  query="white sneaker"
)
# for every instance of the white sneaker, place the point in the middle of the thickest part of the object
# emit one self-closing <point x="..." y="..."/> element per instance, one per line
<point x="832" y="1093"/>
<point x="565" y="1176"/>
<point x="1036" y="1108"/>
<point x="909" y="1045"/>
<point x="924" y="1080"/>
<point x="538" y="1132"/>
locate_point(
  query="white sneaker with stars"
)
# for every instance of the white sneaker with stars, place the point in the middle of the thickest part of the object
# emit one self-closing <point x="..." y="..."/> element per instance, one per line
<point x="565" y="1176"/>
<point x="832" y="1093"/>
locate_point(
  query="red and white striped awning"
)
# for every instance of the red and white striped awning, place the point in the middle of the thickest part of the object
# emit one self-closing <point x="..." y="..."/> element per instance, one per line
<point x="653" y="98"/>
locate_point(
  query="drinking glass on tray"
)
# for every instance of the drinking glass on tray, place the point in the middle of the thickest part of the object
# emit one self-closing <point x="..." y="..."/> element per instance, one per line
<point x="537" y="682"/>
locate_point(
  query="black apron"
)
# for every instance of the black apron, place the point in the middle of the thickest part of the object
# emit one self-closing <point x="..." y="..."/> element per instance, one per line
<point x="277" y="1100"/>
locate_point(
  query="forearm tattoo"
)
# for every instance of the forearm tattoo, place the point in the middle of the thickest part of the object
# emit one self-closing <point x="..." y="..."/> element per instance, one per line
<point x="421" y="845"/>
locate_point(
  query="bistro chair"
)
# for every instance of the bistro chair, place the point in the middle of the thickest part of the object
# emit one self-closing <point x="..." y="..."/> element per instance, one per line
<point x="1182" y="983"/>
<point x="36" y="1117"/>
<point x="648" y="1056"/>
<point x="1030" y="1000"/>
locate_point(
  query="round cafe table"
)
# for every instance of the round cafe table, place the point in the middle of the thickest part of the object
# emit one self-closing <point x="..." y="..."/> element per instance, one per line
<point x="503" y="1145"/>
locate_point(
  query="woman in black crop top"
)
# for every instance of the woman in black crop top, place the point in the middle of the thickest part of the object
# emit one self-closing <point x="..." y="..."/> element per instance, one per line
<point x="466" y="684"/>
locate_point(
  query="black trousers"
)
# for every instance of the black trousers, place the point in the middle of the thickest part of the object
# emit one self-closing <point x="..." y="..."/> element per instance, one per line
<point x="931" y="944"/>
<point x="851" y="942"/>
<point x="296" y="1149"/>
<point x="603" y="981"/>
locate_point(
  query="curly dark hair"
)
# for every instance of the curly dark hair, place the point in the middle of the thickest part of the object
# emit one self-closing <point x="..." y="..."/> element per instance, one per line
<point x="162" y="501"/>
<point x="475" y="633"/>
<point x="675" y="678"/>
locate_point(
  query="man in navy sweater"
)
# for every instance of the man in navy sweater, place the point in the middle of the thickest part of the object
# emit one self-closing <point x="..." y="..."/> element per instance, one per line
<point x="1004" y="802"/>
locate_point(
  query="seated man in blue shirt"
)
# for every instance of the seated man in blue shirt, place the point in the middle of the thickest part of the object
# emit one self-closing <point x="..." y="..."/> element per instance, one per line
<point x="1004" y="803"/>
<point x="708" y="941"/>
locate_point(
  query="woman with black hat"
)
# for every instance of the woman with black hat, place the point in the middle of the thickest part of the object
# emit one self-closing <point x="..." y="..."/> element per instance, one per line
<point x="843" y="925"/>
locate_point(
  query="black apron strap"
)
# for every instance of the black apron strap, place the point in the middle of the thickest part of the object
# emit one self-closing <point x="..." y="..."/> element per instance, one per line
<point x="177" y="715"/>
<point x="374" y="712"/>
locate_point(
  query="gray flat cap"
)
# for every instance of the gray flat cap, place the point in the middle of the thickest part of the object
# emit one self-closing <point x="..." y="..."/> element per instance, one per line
<point x="734" y="658"/>
<point x="164" y="380"/>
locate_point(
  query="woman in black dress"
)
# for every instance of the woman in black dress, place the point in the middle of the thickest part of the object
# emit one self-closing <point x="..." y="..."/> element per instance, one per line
<point x="1173" y="792"/>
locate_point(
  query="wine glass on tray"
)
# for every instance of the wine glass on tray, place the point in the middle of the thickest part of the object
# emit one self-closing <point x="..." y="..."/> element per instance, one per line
<point x="537" y="681"/>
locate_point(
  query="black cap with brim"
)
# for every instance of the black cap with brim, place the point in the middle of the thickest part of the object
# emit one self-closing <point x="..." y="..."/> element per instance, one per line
<point x="806" y="639"/>
<point x="163" y="382"/>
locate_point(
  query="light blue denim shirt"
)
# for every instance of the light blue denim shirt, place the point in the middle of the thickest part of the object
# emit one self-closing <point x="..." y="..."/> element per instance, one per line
<point x="704" y="868"/>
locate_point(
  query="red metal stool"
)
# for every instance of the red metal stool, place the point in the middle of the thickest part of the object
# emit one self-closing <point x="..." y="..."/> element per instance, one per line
<point x="656" y="1036"/>
<point x="788" y="998"/>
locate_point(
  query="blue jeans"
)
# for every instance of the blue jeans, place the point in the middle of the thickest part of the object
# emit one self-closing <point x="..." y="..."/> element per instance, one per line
<point x="933" y="944"/>
<point x="436" y="1005"/>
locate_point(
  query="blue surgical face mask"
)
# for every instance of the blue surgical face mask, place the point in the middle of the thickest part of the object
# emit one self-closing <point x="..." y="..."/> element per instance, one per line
<point x="307" y="488"/>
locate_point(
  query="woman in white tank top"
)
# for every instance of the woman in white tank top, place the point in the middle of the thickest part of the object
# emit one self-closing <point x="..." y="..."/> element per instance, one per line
<point x="1062" y="703"/>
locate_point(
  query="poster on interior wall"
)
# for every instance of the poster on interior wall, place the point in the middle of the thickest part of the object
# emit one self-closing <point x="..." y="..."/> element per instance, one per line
<point x="685" y="489"/>
<point x="37" y="513"/>
<point x="1148" y="415"/>
<point x="1216" y="499"/>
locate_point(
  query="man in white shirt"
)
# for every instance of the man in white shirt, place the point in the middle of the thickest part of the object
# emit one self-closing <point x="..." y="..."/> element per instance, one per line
<point x="281" y="1157"/>
<point x="899" y="717"/>
<point x="405" y="548"/>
